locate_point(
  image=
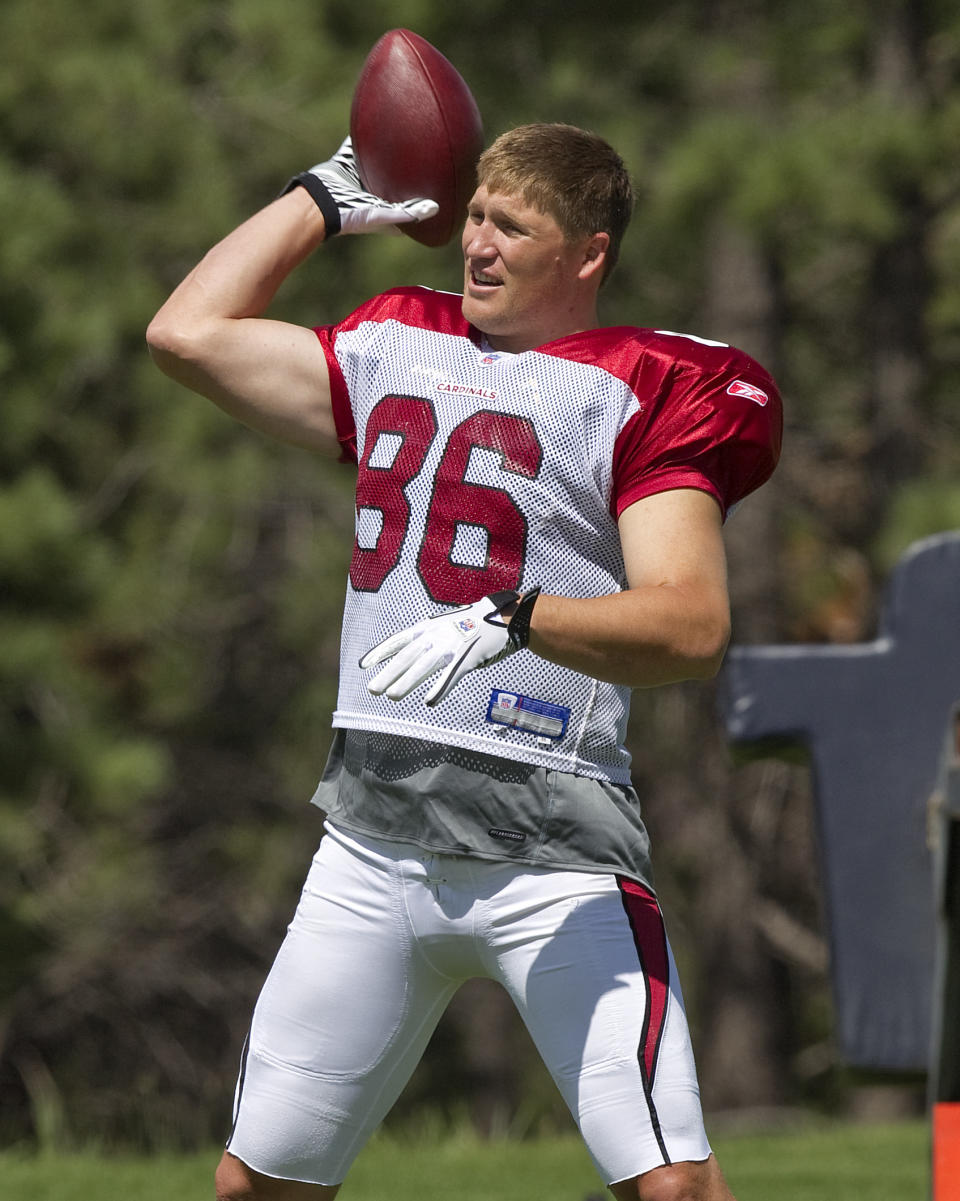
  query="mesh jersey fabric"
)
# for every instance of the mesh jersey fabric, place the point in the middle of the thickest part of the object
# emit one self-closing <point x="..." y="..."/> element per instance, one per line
<point x="481" y="471"/>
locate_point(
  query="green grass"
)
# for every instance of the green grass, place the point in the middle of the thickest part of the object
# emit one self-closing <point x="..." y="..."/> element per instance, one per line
<point x="840" y="1163"/>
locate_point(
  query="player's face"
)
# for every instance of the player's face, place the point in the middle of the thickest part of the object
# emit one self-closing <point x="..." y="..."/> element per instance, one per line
<point x="522" y="278"/>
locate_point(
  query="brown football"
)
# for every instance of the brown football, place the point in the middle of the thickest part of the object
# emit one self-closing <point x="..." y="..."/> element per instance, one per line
<point x="416" y="131"/>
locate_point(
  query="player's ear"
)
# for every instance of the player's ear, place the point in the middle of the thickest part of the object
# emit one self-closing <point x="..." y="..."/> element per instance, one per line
<point x="595" y="256"/>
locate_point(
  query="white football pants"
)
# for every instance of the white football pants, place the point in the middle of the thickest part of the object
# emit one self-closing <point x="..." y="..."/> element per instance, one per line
<point x="382" y="938"/>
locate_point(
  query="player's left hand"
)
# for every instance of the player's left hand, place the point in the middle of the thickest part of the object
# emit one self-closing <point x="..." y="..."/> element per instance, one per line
<point x="453" y="643"/>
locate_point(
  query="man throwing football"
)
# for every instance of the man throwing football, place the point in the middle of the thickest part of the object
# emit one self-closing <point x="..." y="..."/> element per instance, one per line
<point x="539" y="517"/>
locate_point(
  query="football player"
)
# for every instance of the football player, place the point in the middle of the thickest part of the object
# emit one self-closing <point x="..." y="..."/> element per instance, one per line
<point x="539" y="514"/>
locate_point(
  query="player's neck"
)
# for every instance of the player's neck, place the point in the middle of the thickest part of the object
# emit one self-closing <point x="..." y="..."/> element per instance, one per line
<point x="517" y="343"/>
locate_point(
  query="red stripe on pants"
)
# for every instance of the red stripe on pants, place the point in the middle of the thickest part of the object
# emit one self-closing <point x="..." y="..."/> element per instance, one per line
<point x="650" y="938"/>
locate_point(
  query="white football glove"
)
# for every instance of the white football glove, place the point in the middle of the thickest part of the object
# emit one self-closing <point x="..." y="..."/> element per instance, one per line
<point x="347" y="206"/>
<point x="459" y="641"/>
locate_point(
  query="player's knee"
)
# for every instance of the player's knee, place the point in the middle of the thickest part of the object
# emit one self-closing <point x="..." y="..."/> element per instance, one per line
<point x="233" y="1180"/>
<point x="690" y="1181"/>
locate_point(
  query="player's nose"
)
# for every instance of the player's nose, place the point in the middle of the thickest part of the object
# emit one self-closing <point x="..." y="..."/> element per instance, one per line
<point x="477" y="240"/>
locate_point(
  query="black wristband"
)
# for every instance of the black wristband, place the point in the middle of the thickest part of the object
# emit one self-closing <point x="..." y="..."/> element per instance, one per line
<point x="324" y="201"/>
<point x="518" y="629"/>
<point x="502" y="599"/>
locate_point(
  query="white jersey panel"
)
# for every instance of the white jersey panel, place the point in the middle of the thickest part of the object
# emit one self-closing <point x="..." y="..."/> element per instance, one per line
<point x="481" y="471"/>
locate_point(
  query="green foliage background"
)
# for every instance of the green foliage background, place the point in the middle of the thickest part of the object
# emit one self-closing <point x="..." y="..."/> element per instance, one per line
<point x="171" y="585"/>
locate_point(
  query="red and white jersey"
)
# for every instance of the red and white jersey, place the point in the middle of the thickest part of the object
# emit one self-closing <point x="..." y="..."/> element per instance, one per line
<point x="481" y="470"/>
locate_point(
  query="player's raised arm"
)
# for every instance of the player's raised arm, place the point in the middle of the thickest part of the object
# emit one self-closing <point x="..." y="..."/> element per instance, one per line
<point x="211" y="335"/>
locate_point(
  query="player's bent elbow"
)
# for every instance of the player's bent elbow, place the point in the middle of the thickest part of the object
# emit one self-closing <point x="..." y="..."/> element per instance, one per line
<point x="696" y="657"/>
<point x="169" y="344"/>
<point x="707" y="667"/>
<point x="713" y="647"/>
<point x="704" y="648"/>
<point x="187" y="352"/>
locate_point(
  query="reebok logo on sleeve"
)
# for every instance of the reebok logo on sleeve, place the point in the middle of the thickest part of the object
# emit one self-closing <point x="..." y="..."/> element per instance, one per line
<point x="740" y="387"/>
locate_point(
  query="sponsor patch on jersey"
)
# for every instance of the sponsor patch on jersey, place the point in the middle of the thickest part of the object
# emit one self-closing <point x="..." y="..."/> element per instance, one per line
<point x="740" y="387"/>
<point x="525" y="713"/>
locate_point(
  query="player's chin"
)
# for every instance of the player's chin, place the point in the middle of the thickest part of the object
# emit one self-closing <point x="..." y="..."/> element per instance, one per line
<point x="482" y="308"/>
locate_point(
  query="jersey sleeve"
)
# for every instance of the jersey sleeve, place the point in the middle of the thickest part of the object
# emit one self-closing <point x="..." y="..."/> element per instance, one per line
<point x="711" y="421"/>
<point x="339" y="396"/>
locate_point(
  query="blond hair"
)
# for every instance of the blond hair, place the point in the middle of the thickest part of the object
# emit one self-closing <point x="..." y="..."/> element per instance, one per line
<point x="570" y="173"/>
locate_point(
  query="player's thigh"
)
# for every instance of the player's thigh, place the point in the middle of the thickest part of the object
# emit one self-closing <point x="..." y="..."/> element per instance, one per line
<point x="597" y="987"/>
<point x="341" y="987"/>
<point x="343" y="1018"/>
